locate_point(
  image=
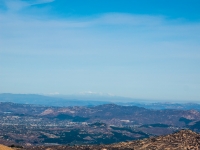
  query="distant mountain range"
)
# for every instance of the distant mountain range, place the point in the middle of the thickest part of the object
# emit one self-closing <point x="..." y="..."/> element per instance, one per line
<point x="46" y="100"/>
<point x="91" y="100"/>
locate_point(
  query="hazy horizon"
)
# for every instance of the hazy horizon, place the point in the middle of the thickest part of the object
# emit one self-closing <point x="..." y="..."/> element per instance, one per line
<point x="100" y="98"/>
<point x="133" y="49"/>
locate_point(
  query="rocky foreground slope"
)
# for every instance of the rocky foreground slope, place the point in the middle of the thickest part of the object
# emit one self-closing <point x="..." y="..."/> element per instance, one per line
<point x="182" y="140"/>
<point x="3" y="147"/>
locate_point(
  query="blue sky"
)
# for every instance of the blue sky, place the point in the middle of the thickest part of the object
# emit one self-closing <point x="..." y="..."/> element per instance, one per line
<point x="139" y="49"/>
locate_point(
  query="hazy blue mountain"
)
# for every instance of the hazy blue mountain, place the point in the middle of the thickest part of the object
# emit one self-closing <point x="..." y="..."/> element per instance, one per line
<point x="91" y="100"/>
<point x="46" y="100"/>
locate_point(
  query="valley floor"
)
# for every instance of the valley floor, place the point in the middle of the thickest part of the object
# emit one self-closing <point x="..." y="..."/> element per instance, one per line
<point x="182" y="140"/>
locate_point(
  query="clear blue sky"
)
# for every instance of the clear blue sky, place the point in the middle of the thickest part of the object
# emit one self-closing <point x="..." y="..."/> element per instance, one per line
<point x="147" y="49"/>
